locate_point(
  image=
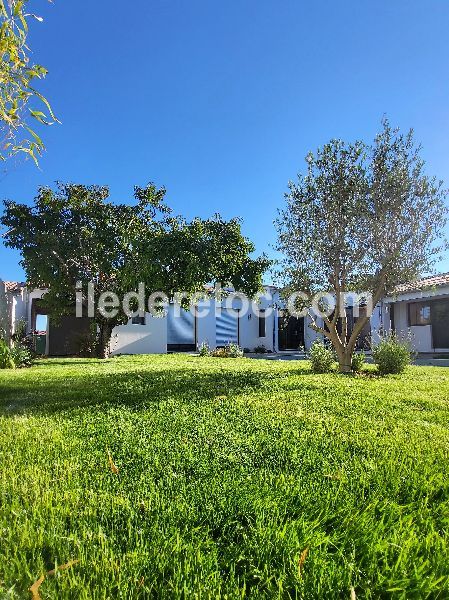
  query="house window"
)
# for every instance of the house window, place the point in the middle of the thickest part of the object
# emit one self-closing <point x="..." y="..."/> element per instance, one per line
<point x="419" y="313"/>
<point x="262" y="332"/>
<point x="138" y="320"/>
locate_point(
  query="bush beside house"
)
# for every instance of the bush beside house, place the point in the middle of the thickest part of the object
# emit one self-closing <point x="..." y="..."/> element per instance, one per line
<point x="392" y="355"/>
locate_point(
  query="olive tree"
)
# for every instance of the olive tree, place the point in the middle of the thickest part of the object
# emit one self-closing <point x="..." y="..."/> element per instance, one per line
<point x="363" y="218"/>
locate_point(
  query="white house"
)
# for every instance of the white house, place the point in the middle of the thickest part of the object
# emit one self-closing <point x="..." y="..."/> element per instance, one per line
<point x="217" y="324"/>
<point x="420" y="308"/>
<point x="214" y="322"/>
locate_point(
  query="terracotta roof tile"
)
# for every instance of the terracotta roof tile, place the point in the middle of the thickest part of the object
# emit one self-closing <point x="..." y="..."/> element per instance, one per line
<point x="425" y="283"/>
<point x="13" y="286"/>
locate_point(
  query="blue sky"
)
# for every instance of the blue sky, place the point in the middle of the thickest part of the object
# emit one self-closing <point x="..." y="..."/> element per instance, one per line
<point x="220" y="102"/>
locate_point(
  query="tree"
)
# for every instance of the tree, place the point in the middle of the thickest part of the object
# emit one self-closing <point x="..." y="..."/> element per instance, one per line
<point x="364" y="219"/>
<point x="17" y="91"/>
<point x="73" y="235"/>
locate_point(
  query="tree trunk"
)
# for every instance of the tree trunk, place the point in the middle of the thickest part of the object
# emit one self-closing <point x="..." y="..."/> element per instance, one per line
<point x="345" y="360"/>
<point x="103" y="339"/>
<point x="343" y="350"/>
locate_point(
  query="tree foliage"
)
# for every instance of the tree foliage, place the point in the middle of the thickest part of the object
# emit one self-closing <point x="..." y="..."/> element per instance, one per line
<point x="363" y="218"/>
<point x="21" y="104"/>
<point x="74" y="234"/>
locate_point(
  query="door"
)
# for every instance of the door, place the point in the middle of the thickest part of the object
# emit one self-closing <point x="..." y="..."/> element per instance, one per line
<point x="439" y="317"/>
<point x="291" y="332"/>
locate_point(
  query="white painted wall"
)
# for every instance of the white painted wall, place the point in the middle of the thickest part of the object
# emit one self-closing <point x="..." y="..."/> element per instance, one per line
<point x="34" y="294"/>
<point x="249" y="324"/>
<point x="401" y="318"/>
<point x="377" y="322"/>
<point x="5" y="312"/>
<point x="249" y="331"/>
<point x="309" y="334"/>
<point x="20" y="308"/>
<point x="13" y="308"/>
<point x="422" y="338"/>
<point x="386" y="317"/>
<point x="150" y="338"/>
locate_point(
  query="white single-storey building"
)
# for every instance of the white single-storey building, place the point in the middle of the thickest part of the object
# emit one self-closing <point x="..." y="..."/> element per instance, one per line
<point x="216" y="323"/>
<point x="419" y="310"/>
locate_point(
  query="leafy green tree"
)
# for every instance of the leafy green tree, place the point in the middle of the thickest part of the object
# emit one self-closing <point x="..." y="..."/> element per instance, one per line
<point x="73" y="234"/>
<point x="362" y="218"/>
<point x="17" y="90"/>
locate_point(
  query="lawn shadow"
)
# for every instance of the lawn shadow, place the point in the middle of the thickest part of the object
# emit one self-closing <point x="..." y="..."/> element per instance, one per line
<point x="135" y="389"/>
<point x="63" y="361"/>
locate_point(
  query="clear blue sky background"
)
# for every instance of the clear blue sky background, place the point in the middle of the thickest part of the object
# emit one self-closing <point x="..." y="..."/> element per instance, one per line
<point x="220" y="101"/>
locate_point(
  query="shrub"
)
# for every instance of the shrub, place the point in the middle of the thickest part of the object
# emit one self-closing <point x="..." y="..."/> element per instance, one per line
<point x="21" y="356"/>
<point x="358" y="360"/>
<point x="234" y="351"/>
<point x="392" y="355"/>
<point x="21" y="350"/>
<point x="6" y="361"/>
<point x="260" y="349"/>
<point x="20" y="334"/>
<point x="204" y="349"/>
<point x="229" y="351"/>
<point x="321" y="357"/>
<point x="86" y="343"/>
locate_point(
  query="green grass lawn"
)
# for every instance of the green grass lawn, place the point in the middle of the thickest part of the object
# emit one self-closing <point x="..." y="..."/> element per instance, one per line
<point x="228" y="471"/>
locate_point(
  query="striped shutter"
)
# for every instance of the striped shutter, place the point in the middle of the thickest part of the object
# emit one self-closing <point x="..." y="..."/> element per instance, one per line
<point x="226" y="327"/>
<point x="180" y="328"/>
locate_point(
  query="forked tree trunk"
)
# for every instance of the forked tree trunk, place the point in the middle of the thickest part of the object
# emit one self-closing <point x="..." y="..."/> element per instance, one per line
<point x="344" y="348"/>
